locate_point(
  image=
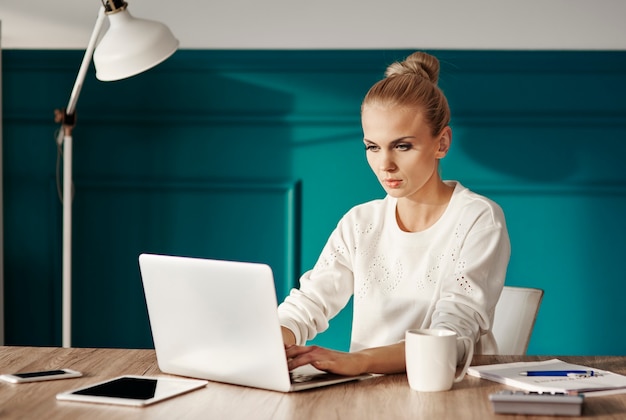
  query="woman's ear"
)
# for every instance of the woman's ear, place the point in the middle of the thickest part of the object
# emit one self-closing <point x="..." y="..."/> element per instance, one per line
<point x="445" y="139"/>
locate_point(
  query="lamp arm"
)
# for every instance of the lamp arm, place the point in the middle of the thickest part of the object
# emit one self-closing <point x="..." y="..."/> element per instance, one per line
<point x="66" y="117"/>
<point x="82" y="72"/>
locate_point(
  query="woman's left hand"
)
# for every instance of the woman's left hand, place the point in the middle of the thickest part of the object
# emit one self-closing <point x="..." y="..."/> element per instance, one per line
<point x="327" y="360"/>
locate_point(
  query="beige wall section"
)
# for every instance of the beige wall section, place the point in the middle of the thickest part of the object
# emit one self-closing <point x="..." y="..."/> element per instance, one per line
<point x="333" y="24"/>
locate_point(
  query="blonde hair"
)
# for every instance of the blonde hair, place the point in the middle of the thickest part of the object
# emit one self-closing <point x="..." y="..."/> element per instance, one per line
<point x="412" y="83"/>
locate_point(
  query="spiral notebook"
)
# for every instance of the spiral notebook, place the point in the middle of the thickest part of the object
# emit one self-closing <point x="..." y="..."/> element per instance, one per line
<point x="513" y="374"/>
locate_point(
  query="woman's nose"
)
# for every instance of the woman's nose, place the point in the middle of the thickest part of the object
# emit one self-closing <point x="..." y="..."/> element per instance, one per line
<point x="386" y="163"/>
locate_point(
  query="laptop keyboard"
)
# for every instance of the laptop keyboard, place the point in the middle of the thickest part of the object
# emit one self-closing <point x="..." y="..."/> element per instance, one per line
<point x="297" y="378"/>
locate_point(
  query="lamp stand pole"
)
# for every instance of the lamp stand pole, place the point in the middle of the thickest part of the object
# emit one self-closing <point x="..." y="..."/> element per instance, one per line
<point x="67" y="237"/>
<point x="68" y="120"/>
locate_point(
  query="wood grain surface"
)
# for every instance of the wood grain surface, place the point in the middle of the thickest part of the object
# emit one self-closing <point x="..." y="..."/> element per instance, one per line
<point x="384" y="397"/>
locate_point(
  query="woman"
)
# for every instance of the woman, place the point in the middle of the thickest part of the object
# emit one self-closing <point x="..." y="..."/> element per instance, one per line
<point x="431" y="254"/>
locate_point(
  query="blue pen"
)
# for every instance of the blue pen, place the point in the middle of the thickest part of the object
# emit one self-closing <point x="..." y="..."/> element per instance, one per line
<point x="558" y="373"/>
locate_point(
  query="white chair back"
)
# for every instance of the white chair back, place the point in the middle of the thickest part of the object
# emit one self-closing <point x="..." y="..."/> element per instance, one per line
<point x="514" y="318"/>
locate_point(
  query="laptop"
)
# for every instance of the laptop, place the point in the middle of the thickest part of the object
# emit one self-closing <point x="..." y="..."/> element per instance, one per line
<point x="217" y="320"/>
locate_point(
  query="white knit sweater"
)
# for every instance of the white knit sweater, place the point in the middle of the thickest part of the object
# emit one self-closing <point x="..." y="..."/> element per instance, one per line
<point x="447" y="276"/>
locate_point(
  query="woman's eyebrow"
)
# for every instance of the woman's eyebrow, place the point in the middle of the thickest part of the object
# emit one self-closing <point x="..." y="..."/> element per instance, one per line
<point x="401" y="140"/>
<point x="393" y="142"/>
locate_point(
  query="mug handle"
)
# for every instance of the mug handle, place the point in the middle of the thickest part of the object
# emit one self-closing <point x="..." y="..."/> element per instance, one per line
<point x="468" y="358"/>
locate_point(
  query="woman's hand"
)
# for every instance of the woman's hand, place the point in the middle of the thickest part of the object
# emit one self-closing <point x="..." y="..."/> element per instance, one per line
<point x="387" y="359"/>
<point x="288" y="336"/>
<point x="327" y="360"/>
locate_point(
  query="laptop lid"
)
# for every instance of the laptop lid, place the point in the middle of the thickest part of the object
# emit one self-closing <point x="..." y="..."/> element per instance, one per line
<point x="217" y="320"/>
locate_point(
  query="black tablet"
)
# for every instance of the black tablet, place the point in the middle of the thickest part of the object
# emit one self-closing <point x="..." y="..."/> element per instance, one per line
<point x="132" y="390"/>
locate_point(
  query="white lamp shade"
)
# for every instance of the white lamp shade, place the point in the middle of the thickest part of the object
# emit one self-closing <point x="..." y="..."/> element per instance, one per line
<point x="131" y="46"/>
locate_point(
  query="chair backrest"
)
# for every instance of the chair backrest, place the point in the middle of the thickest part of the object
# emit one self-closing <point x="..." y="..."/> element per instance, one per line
<point x="514" y="318"/>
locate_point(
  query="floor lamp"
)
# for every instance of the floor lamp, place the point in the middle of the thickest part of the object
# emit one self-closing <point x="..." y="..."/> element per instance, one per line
<point x="129" y="46"/>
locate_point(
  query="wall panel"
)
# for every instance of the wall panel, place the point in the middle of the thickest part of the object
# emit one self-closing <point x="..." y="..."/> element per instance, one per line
<point x="201" y="218"/>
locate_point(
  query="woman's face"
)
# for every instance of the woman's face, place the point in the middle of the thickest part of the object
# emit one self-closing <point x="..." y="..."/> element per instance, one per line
<point x="401" y="149"/>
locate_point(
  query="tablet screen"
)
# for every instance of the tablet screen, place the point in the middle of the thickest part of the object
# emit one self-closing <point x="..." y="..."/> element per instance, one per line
<point x="132" y="390"/>
<point x="126" y="387"/>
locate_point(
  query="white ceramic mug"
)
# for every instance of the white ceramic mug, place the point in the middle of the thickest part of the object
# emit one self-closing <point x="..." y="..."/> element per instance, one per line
<point x="431" y="359"/>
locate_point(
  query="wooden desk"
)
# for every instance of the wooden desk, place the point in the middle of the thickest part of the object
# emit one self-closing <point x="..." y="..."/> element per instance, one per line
<point x="386" y="397"/>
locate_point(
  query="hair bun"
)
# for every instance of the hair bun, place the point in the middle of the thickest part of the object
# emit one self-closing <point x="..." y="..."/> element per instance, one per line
<point x="417" y="64"/>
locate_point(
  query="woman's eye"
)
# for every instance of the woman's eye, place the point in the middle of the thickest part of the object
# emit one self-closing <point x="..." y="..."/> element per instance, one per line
<point x="371" y="147"/>
<point x="403" y="146"/>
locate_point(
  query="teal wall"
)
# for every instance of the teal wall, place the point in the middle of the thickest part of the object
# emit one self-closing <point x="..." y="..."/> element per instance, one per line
<point x="255" y="155"/>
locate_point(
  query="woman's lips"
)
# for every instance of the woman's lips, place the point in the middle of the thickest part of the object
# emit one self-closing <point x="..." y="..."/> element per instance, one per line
<point x="392" y="183"/>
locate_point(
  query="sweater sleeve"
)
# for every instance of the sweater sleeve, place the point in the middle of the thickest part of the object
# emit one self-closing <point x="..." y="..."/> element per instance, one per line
<point x="324" y="291"/>
<point x="468" y="297"/>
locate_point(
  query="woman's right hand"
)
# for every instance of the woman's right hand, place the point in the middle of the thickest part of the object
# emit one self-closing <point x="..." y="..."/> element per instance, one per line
<point x="288" y="337"/>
